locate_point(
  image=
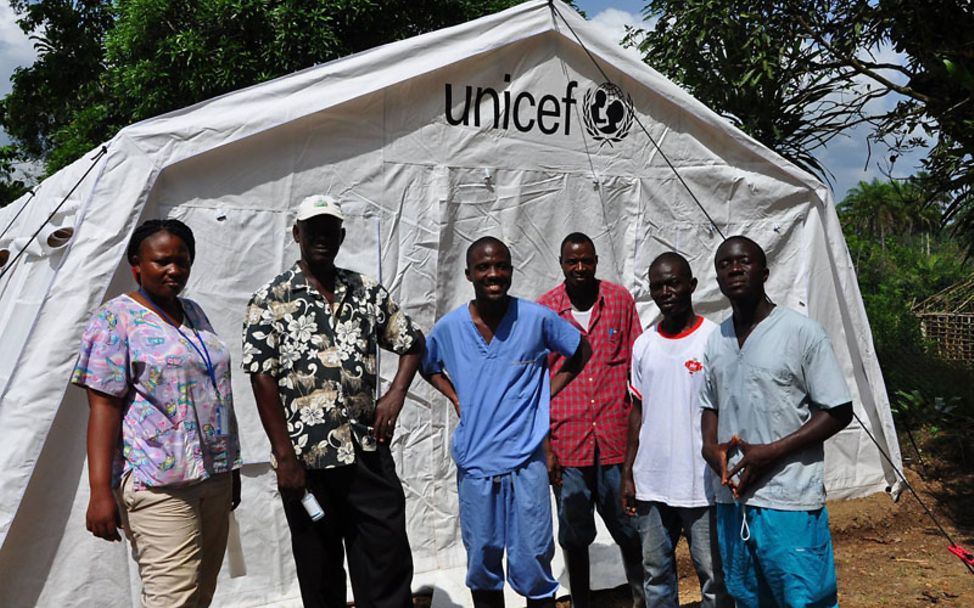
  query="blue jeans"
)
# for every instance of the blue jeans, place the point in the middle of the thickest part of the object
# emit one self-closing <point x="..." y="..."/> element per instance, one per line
<point x="583" y="491"/>
<point x="660" y="526"/>
<point x="781" y="558"/>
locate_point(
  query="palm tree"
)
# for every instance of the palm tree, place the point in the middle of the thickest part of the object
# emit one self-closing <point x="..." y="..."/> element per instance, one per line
<point x="924" y="211"/>
<point x="872" y="209"/>
<point x="883" y="209"/>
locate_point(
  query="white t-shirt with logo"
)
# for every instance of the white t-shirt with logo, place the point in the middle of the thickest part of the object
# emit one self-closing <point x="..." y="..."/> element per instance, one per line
<point x="667" y="375"/>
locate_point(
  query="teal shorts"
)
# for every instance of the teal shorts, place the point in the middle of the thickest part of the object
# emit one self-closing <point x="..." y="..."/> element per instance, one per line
<point x="778" y="559"/>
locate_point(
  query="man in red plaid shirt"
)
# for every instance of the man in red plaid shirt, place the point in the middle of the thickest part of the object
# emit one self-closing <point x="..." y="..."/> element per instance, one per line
<point x="589" y="418"/>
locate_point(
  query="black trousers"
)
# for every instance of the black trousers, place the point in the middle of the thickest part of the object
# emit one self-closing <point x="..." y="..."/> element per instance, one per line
<point x="365" y="515"/>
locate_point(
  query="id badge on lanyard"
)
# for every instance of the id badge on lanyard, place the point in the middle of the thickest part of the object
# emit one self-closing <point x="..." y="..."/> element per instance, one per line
<point x="218" y="442"/>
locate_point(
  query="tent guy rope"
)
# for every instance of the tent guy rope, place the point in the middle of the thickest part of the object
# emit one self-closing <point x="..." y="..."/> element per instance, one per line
<point x="965" y="556"/>
<point x="639" y="122"/>
<point x="19" y="211"/>
<point x="94" y="161"/>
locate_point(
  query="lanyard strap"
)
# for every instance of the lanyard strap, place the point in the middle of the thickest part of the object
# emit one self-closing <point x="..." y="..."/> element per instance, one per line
<point x="204" y="353"/>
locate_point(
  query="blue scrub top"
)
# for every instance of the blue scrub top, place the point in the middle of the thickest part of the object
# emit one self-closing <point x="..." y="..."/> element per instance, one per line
<point x="502" y="386"/>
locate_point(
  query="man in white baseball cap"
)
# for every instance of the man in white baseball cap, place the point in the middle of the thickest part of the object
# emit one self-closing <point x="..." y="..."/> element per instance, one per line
<point x="310" y="340"/>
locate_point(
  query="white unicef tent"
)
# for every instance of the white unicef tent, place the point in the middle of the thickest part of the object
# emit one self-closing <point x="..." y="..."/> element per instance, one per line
<point x="496" y="126"/>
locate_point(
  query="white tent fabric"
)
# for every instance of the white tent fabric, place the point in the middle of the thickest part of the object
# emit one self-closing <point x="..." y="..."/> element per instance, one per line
<point x="517" y="153"/>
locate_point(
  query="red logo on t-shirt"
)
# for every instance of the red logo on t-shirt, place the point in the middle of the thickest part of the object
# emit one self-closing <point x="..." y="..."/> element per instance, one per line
<point x="693" y="366"/>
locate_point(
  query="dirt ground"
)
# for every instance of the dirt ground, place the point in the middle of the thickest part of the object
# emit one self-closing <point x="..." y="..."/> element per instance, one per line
<point x="886" y="553"/>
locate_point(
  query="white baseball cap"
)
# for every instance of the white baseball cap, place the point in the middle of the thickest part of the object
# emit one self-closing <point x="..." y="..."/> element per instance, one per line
<point x="319" y="204"/>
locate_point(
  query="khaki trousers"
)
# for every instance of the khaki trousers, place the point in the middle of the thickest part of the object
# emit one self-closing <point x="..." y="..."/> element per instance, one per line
<point x="178" y="536"/>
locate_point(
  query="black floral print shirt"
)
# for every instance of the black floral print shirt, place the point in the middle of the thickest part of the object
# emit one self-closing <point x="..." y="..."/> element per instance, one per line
<point x="324" y="358"/>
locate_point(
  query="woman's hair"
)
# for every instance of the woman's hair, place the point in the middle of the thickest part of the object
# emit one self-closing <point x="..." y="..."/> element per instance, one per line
<point x="150" y="227"/>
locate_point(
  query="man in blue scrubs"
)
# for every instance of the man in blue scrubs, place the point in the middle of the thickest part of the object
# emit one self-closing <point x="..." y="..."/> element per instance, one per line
<point x="489" y="358"/>
<point x="773" y="393"/>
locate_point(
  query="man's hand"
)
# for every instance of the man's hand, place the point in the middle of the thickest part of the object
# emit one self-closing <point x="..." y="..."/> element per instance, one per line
<point x="445" y="387"/>
<point x="717" y="455"/>
<point x="290" y="473"/>
<point x="571" y="367"/>
<point x="235" y="490"/>
<point x="388" y="406"/>
<point x="757" y="459"/>
<point x="627" y="494"/>
<point x="290" y="477"/>
<point x="102" y="518"/>
<point x="387" y="410"/>
<point x="554" y="466"/>
<point x="627" y="490"/>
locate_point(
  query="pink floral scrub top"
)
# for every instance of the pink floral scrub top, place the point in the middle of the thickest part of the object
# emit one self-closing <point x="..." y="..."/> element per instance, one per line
<point x="177" y="427"/>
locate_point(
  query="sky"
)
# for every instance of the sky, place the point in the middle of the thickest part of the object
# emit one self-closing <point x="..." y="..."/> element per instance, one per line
<point x="846" y="157"/>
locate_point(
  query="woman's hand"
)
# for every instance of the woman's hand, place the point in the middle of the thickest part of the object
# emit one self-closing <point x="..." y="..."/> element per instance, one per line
<point x="104" y="429"/>
<point x="102" y="518"/>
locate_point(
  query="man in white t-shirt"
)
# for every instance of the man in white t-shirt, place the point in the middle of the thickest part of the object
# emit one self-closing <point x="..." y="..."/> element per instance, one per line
<point x="666" y="482"/>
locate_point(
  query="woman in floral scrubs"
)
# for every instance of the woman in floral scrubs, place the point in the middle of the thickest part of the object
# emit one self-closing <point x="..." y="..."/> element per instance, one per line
<point x="163" y="451"/>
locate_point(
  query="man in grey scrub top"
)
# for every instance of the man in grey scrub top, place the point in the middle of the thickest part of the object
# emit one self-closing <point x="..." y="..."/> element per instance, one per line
<point x="773" y="393"/>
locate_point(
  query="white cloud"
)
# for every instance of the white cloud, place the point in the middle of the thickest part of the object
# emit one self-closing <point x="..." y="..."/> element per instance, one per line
<point x="16" y="49"/>
<point x="851" y="160"/>
<point x="613" y="22"/>
<point x="850" y="157"/>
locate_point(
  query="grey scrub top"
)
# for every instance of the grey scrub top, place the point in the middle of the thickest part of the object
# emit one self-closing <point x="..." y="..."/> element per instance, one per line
<point x="768" y="389"/>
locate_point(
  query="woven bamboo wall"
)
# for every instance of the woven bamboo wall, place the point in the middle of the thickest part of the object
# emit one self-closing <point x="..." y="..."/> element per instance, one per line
<point x="952" y="332"/>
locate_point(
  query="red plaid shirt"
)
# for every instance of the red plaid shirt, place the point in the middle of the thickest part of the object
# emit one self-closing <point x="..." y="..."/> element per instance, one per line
<point x="594" y="407"/>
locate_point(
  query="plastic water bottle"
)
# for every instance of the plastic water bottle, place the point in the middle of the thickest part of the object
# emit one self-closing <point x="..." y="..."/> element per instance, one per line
<point x="315" y="512"/>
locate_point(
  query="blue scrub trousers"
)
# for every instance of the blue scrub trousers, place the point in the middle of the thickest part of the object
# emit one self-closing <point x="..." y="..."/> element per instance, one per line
<point x="785" y="561"/>
<point x="512" y="512"/>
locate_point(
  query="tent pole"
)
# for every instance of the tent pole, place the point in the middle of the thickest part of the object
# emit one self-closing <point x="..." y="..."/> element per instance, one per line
<point x="378" y="277"/>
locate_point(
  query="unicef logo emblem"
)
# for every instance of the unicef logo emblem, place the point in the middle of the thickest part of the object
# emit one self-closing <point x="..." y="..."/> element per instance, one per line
<point x="608" y="114"/>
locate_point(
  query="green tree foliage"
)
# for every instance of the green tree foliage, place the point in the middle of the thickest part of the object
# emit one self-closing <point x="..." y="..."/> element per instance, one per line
<point x="876" y="210"/>
<point x="165" y="54"/>
<point x="936" y="103"/>
<point x="795" y="73"/>
<point x="751" y="61"/>
<point x="11" y="186"/>
<point x="900" y="260"/>
<point x="103" y="65"/>
<point x="938" y="38"/>
<point x="64" y="79"/>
